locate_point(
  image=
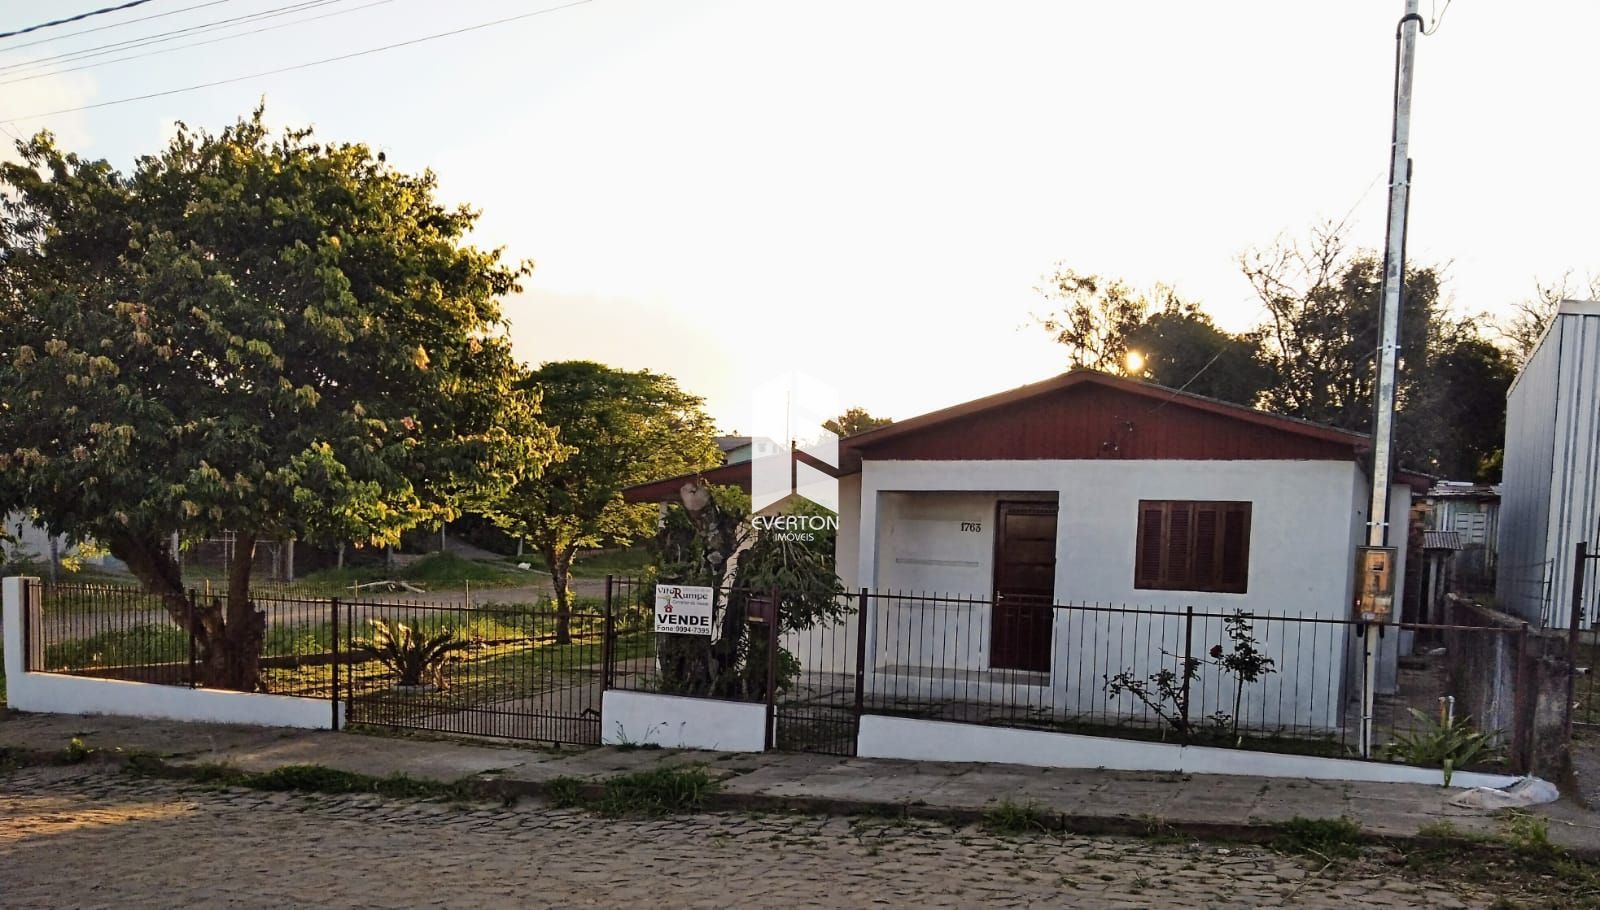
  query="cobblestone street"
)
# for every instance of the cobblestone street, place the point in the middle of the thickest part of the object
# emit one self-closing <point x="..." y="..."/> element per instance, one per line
<point x="92" y="837"/>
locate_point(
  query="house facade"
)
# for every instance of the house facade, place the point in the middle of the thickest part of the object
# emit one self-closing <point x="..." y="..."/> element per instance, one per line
<point x="1030" y="545"/>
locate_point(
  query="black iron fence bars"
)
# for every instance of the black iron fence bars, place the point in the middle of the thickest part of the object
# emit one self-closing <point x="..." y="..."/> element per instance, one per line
<point x="1206" y="676"/>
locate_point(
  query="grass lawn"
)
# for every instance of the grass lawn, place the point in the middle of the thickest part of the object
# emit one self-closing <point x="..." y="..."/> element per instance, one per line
<point x="512" y="647"/>
<point x="435" y="572"/>
<point x="633" y="562"/>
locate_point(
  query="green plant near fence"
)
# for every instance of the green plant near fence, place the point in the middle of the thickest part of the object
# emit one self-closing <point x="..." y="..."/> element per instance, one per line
<point x="1448" y="743"/>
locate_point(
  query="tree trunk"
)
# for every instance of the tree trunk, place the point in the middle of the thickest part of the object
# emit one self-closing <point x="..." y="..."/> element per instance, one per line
<point x="232" y="656"/>
<point x="691" y="664"/>
<point x="228" y="631"/>
<point x="560" y="575"/>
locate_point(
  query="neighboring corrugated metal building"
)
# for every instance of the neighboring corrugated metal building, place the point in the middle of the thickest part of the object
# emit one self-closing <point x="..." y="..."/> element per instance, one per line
<point x="1550" y="489"/>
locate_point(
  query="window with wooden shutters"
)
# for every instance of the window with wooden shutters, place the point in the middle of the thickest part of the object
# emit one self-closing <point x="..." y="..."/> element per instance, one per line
<point x="1190" y="545"/>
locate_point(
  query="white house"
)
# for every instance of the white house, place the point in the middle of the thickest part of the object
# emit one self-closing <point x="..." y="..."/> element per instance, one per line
<point x="1551" y="484"/>
<point x="1131" y="501"/>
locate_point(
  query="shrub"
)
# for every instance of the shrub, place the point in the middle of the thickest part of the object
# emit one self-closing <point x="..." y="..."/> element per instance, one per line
<point x="1447" y="743"/>
<point x="414" y="656"/>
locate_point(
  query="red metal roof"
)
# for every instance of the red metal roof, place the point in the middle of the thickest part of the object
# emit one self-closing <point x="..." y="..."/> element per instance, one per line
<point x="1081" y="414"/>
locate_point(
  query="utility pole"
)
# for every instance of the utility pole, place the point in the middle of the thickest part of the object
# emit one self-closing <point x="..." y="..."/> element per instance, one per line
<point x="1376" y="560"/>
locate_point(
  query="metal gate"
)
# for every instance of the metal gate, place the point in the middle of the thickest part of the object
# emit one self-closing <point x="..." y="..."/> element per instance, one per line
<point x="816" y="701"/>
<point x="518" y="672"/>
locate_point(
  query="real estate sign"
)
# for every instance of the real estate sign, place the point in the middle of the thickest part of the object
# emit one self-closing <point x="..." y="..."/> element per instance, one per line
<point x="683" y="609"/>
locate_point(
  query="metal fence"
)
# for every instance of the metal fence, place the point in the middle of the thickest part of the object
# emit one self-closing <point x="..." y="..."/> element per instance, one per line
<point x="114" y="632"/>
<point x="1251" y="680"/>
<point x="513" y="671"/>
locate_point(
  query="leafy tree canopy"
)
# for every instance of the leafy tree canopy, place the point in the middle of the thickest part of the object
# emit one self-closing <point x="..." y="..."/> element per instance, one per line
<point x="265" y="334"/>
<point x="853" y="421"/>
<point x="616" y="428"/>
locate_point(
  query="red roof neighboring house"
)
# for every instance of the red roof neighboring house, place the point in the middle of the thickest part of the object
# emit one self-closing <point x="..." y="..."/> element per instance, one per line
<point x="1082" y="414"/>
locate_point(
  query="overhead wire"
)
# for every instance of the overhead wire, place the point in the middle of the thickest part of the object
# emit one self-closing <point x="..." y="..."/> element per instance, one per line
<point x="298" y="66"/>
<point x="78" y="18"/>
<point x="100" y="28"/>
<point x="162" y="37"/>
<point x="180" y="47"/>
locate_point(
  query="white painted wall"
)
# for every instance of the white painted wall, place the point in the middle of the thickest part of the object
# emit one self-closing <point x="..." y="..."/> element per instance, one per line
<point x="928" y="740"/>
<point x="54" y="693"/>
<point x="1550" y="493"/>
<point x="674" y="722"/>
<point x="1306" y="517"/>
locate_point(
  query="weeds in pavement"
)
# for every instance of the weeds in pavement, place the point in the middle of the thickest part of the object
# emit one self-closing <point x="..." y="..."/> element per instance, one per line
<point x="1010" y="818"/>
<point x="653" y="793"/>
<point x="1329" y="838"/>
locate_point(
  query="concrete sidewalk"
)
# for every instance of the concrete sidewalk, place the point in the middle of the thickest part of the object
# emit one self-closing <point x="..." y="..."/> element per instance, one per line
<point x="1085" y="801"/>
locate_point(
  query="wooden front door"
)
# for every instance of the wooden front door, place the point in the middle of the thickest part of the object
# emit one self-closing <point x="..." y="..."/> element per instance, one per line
<point x="1024" y="586"/>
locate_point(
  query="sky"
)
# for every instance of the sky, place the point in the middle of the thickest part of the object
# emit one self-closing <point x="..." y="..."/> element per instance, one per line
<point x="871" y="192"/>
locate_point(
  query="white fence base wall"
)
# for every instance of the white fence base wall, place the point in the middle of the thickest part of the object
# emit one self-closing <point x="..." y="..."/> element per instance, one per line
<point x="55" y="693"/>
<point x="933" y="740"/>
<point x="675" y="722"/>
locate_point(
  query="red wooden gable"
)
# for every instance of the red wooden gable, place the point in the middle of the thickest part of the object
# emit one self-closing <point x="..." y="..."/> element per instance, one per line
<point x="1090" y="415"/>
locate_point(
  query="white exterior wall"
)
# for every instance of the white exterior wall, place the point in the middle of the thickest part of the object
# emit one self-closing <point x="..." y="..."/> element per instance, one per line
<point x="673" y="722"/>
<point x="931" y="740"/>
<point x="1300" y="565"/>
<point x="1550" y="494"/>
<point x="56" y="693"/>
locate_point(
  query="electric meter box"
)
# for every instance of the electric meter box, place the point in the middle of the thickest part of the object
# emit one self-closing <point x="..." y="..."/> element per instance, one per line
<point x="1375" y="583"/>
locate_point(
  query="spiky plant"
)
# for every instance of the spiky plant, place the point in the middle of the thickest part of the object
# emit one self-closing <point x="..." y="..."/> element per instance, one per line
<point x="1446" y="742"/>
<point x="411" y="655"/>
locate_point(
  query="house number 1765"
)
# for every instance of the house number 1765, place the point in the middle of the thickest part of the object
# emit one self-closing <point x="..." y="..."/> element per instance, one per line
<point x="972" y="527"/>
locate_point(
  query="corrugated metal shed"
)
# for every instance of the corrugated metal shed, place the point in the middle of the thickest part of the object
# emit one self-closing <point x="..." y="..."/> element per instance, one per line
<point x="1551" y="486"/>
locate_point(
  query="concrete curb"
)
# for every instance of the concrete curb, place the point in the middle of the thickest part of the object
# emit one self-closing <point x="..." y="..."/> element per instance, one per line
<point x="492" y="788"/>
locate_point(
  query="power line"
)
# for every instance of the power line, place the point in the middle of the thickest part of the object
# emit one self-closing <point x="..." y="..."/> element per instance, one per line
<point x="298" y="66"/>
<point x="1438" y="19"/>
<point x="162" y="37"/>
<point x="168" y="50"/>
<point x="101" y="28"/>
<point x="94" y="12"/>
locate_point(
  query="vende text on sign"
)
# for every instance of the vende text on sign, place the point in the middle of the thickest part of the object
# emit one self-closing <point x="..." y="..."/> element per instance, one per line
<point x="683" y="609"/>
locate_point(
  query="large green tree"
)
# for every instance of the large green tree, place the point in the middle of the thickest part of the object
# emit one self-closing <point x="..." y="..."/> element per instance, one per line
<point x="1180" y="347"/>
<point x="1322" y="306"/>
<point x="1457" y="428"/>
<point x="1107" y="325"/>
<point x="617" y="428"/>
<point x="854" y="420"/>
<point x="262" y="334"/>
